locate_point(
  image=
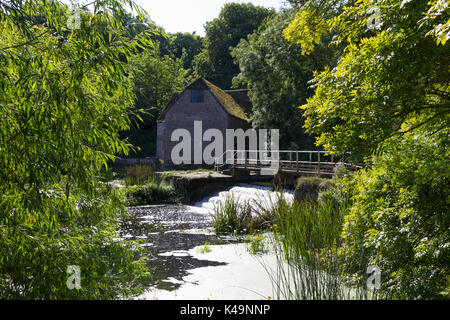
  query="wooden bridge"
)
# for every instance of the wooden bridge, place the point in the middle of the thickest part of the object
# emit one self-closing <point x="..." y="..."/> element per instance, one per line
<point x="294" y="162"/>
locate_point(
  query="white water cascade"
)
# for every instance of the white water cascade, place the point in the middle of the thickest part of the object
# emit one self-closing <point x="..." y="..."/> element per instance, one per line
<point x="259" y="197"/>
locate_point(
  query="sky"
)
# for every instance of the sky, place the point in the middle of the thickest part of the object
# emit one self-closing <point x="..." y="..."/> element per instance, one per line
<point x="191" y="15"/>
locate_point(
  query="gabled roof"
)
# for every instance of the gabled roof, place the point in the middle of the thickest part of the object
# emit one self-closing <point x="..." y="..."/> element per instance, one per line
<point x="233" y="101"/>
<point x="242" y="99"/>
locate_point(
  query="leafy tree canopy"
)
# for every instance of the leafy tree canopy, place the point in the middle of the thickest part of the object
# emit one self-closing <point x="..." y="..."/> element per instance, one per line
<point x="186" y="46"/>
<point x="156" y="78"/>
<point x="235" y="22"/>
<point x="64" y="96"/>
<point x="277" y="76"/>
<point x="392" y="78"/>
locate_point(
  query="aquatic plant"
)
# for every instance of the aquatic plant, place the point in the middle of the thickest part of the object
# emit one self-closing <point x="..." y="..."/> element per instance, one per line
<point x="256" y="244"/>
<point x="150" y="193"/>
<point x="232" y="216"/>
<point x="310" y="260"/>
<point x="139" y="175"/>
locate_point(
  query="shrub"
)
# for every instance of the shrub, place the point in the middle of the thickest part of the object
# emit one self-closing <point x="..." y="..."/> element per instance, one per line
<point x="139" y="175"/>
<point x="150" y="193"/>
<point x="400" y="216"/>
<point x="308" y="188"/>
<point x="231" y="216"/>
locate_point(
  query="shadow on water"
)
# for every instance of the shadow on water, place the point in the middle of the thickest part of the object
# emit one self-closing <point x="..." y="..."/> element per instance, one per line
<point x="167" y="232"/>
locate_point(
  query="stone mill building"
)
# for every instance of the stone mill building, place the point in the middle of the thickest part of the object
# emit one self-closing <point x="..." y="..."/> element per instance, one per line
<point x="201" y="101"/>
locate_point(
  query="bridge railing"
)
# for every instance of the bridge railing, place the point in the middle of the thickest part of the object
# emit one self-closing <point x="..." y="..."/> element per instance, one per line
<point x="307" y="161"/>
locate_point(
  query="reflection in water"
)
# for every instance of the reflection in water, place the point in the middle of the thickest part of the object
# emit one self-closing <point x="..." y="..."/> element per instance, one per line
<point x="163" y="229"/>
<point x="168" y="232"/>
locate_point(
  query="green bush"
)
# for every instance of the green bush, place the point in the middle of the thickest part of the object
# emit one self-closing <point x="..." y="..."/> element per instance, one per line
<point x="139" y="175"/>
<point x="231" y="216"/>
<point x="400" y="216"/>
<point x="314" y="183"/>
<point x="309" y="188"/>
<point x="151" y="193"/>
<point x="334" y="195"/>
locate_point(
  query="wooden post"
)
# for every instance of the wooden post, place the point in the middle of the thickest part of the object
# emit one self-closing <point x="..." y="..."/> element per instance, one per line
<point x="296" y="161"/>
<point x="245" y="159"/>
<point x="318" y="164"/>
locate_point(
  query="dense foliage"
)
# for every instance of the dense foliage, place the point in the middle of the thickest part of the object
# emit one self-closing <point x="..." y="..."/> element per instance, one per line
<point x="63" y="100"/>
<point x="277" y="76"/>
<point x="186" y="46"/>
<point x="388" y="81"/>
<point x="400" y="217"/>
<point x="387" y="101"/>
<point x="156" y="77"/>
<point x="235" y="22"/>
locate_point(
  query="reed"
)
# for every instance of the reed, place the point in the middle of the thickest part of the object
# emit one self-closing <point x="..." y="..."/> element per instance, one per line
<point x="139" y="175"/>
<point x="310" y="258"/>
<point x="150" y="193"/>
<point x="232" y="216"/>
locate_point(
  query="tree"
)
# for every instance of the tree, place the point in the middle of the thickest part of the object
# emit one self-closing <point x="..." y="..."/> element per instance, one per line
<point x="277" y="76"/>
<point x="186" y="46"/>
<point x="399" y="218"/>
<point x="235" y="22"/>
<point x="388" y="81"/>
<point x="387" y="101"/>
<point x="156" y="78"/>
<point x="64" y="97"/>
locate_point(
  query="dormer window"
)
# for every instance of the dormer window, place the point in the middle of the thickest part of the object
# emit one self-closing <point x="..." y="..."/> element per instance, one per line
<point x="197" y="96"/>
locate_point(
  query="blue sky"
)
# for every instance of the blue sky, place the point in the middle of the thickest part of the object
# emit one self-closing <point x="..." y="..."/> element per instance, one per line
<point x="191" y="15"/>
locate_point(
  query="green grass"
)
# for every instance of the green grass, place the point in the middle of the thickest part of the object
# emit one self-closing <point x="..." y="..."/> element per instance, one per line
<point x="205" y="248"/>
<point x="232" y="216"/>
<point x="139" y="175"/>
<point x="168" y="174"/>
<point x="141" y="186"/>
<point x="151" y="193"/>
<point x="309" y="253"/>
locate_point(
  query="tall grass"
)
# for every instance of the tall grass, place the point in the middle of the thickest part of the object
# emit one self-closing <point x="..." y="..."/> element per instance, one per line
<point x="307" y="243"/>
<point x="233" y="215"/>
<point x="139" y="175"/>
<point x="151" y="193"/>
<point x="310" y="260"/>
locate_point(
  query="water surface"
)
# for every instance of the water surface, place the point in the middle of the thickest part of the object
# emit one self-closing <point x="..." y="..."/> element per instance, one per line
<point x="188" y="260"/>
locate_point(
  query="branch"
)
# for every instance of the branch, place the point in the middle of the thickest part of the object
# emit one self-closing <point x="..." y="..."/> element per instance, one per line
<point x="422" y="123"/>
<point x="24" y="43"/>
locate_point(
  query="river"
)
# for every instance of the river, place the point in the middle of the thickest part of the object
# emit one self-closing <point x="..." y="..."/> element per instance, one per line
<point x="188" y="260"/>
